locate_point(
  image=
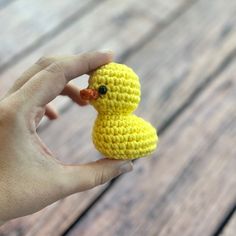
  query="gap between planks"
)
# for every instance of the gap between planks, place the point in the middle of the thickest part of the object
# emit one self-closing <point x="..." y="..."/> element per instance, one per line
<point x="228" y="225"/>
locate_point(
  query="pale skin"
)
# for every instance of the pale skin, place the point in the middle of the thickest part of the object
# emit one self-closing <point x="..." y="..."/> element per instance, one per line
<point x="30" y="175"/>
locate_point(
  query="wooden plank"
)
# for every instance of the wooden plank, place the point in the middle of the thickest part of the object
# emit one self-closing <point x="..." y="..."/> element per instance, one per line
<point x="230" y="228"/>
<point x="55" y="219"/>
<point x="30" y="23"/>
<point x="199" y="42"/>
<point x="188" y="186"/>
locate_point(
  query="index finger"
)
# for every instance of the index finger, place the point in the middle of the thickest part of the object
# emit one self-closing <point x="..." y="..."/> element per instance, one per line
<point x="49" y="83"/>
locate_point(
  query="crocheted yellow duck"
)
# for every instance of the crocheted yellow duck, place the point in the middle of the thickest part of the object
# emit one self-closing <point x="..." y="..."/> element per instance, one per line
<point x="114" y="91"/>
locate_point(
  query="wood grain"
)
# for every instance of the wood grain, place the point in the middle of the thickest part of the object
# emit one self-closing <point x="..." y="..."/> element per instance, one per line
<point x="56" y="218"/>
<point x="230" y="228"/>
<point x="188" y="186"/>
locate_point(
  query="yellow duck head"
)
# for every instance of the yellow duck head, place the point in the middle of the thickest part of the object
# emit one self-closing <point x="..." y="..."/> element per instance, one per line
<point x="114" y="89"/>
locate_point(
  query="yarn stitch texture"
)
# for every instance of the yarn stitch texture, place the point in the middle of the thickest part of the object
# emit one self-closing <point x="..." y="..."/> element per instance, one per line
<point x="117" y="133"/>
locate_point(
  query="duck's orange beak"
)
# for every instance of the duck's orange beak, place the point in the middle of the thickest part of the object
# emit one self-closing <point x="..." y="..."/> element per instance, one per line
<point x="89" y="94"/>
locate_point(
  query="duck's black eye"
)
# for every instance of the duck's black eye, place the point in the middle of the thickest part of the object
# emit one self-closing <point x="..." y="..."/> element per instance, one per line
<point x="102" y="89"/>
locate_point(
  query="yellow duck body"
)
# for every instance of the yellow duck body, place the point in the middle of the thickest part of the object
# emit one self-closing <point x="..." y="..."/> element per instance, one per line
<point x="124" y="136"/>
<point x="117" y="133"/>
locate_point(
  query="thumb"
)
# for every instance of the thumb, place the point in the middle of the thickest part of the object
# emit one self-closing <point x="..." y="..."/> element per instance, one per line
<point x="77" y="178"/>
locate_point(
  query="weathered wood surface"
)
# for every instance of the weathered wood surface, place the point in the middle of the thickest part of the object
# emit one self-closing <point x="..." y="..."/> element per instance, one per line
<point x="47" y="221"/>
<point x="230" y="228"/>
<point x="188" y="187"/>
<point x="196" y="47"/>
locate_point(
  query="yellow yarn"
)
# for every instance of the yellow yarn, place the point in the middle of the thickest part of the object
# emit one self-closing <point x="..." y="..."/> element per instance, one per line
<point x="117" y="133"/>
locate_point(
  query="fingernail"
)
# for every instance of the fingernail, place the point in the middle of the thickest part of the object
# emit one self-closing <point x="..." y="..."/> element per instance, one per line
<point x="127" y="166"/>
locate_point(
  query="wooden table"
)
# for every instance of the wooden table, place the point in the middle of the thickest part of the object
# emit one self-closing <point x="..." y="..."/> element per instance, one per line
<point x="185" y="54"/>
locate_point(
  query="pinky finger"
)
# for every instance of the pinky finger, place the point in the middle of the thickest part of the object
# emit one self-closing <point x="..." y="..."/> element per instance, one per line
<point x="51" y="112"/>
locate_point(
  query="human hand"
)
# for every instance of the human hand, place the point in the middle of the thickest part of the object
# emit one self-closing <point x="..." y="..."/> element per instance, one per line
<point x="30" y="176"/>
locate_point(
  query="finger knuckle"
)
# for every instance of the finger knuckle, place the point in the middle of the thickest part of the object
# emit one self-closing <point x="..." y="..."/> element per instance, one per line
<point x="25" y="76"/>
<point x="55" y="67"/>
<point x="45" y="61"/>
<point x="100" y="178"/>
<point x="85" y="56"/>
<point x="85" y="59"/>
<point x="18" y="82"/>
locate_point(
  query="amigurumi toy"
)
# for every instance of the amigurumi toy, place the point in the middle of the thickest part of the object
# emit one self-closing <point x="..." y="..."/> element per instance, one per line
<point x="114" y="91"/>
